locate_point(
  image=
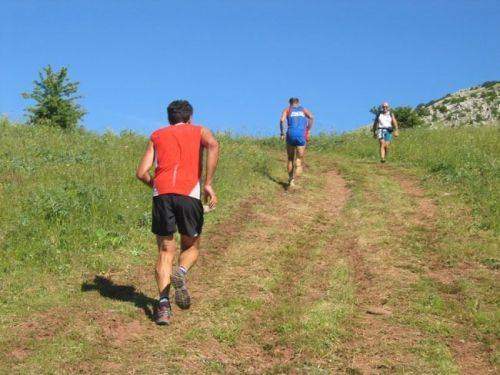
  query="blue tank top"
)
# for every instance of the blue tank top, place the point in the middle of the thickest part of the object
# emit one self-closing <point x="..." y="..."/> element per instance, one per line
<point x="297" y="121"/>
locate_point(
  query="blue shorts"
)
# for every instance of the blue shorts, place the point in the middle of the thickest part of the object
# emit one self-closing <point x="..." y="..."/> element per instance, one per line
<point x="296" y="140"/>
<point x="384" y="134"/>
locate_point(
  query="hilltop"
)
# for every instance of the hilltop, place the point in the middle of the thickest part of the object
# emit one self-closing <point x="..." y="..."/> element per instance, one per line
<point x="471" y="106"/>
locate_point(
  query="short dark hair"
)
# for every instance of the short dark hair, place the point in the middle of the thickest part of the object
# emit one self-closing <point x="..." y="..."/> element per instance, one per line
<point x="179" y="111"/>
<point x="293" y="101"/>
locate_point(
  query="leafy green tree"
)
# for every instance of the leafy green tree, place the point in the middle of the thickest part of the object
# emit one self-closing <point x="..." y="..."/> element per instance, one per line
<point x="407" y="117"/>
<point x="55" y="97"/>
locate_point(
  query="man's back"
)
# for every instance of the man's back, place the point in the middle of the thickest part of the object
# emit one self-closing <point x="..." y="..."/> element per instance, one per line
<point x="296" y="119"/>
<point x="176" y="207"/>
<point x="177" y="160"/>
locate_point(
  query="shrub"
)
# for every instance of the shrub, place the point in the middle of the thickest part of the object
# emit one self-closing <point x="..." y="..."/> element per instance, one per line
<point x="422" y="111"/>
<point x="442" y="108"/>
<point x="407" y="117"/>
<point x="457" y="99"/>
<point x="490" y="84"/>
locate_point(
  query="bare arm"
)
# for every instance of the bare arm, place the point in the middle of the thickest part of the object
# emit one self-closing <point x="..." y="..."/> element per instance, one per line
<point x="374" y="127"/>
<point x="142" y="172"/>
<point x="283" y="123"/>
<point x="395" y="124"/>
<point x="310" y="117"/>
<point x="210" y="143"/>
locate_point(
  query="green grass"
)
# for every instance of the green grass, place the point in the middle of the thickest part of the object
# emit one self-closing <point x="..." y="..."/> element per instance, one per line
<point x="466" y="161"/>
<point x="70" y="205"/>
<point x="71" y="208"/>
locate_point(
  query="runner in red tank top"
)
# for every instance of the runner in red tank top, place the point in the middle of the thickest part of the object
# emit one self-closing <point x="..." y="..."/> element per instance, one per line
<point x="177" y="153"/>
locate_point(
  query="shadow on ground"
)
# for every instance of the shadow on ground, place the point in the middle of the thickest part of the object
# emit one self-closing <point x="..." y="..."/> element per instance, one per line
<point x="126" y="293"/>
<point x="283" y="184"/>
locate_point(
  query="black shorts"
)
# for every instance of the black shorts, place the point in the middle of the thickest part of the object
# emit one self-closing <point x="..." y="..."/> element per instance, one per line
<point x="173" y="211"/>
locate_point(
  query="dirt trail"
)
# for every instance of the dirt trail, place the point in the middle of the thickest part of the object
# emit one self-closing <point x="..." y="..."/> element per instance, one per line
<point x="469" y="354"/>
<point x="253" y="274"/>
<point x="383" y="341"/>
<point x="264" y="290"/>
<point x="293" y="292"/>
<point x="252" y="265"/>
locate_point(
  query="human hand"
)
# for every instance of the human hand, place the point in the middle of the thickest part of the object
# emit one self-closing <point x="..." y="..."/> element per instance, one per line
<point x="210" y="196"/>
<point x="282" y="137"/>
<point x="396" y="133"/>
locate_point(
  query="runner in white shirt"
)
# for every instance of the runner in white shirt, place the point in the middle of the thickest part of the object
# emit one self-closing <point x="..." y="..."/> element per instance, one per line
<point x="384" y="126"/>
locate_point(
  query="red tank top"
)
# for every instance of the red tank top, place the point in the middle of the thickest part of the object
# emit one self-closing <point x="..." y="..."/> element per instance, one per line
<point x="177" y="160"/>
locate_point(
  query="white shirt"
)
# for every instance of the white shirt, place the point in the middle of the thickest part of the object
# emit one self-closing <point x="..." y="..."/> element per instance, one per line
<point x="385" y="120"/>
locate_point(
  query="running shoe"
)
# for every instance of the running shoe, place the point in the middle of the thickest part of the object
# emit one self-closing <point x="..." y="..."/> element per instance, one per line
<point x="182" y="298"/>
<point x="163" y="313"/>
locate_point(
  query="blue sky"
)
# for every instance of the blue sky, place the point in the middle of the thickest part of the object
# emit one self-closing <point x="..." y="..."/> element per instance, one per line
<point x="239" y="61"/>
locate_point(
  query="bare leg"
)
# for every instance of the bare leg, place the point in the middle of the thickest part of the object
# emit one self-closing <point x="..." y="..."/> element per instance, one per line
<point x="189" y="251"/>
<point x="301" y="150"/>
<point x="290" y="151"/>
<point x="188" y="257"/>
<point x="166" y="254"/>
<point x="382" y="149"/>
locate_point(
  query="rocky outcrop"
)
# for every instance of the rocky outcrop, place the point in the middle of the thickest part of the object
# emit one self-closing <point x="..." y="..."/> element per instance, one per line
<point x="474" y="106"/>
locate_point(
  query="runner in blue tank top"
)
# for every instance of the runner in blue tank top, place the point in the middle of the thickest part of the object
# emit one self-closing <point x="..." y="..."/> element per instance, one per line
<point x="297" y="121"/>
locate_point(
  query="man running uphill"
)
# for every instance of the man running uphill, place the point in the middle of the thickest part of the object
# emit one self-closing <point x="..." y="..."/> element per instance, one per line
<point x="383" y="127"/>
<point x="177" y="151"/>
<point x="297" y="121"/>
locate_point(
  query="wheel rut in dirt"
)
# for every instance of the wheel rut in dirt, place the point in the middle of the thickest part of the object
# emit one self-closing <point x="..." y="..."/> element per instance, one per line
<point x="385" y="273"/>
<point x="469" y="353"/>
<point x="250" y="265"/>
<point x="262" y="269"/>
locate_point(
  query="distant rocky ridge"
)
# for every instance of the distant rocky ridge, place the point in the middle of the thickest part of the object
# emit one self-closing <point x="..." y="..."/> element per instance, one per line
<point x="473" y="106"/>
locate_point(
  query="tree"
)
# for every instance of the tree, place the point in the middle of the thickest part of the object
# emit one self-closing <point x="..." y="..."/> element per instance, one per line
<point x="55" y="98"/>
<point x="407" y="117"/>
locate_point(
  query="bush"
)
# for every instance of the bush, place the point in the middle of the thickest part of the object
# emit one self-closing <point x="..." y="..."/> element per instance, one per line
<point x="442" y="108"/>
<point x="490" y="84"/>
<point x="407" y="117"/>
<point x="422" y="111"/>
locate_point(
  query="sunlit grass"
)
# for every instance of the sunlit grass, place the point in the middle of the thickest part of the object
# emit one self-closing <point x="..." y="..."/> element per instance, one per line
<point x="70" y="204"/>
<point x="466" y="160"/>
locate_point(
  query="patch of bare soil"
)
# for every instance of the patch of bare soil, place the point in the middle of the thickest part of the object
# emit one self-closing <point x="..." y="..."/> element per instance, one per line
<point x="118" y="330"/>
<point x="20" y="353"/>
<point x="42" y="326"/>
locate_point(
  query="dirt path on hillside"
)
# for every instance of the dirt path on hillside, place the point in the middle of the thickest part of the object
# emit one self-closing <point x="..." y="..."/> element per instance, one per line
<point x="245" y="277"/>
<point x="296" y="282"/>
<point x="383" y="341"/>
<point x="254" y="267"/>
<point x="469" y="354"/>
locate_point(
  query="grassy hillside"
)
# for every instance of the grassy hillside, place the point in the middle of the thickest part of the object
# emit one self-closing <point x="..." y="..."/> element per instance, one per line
<point x="364" y="268"/>
<point x="70" y="204"/>
<point x="462" y="160"/>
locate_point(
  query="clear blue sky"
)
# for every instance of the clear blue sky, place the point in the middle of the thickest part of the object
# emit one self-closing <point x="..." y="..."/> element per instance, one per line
<point x="239" y="61"/>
